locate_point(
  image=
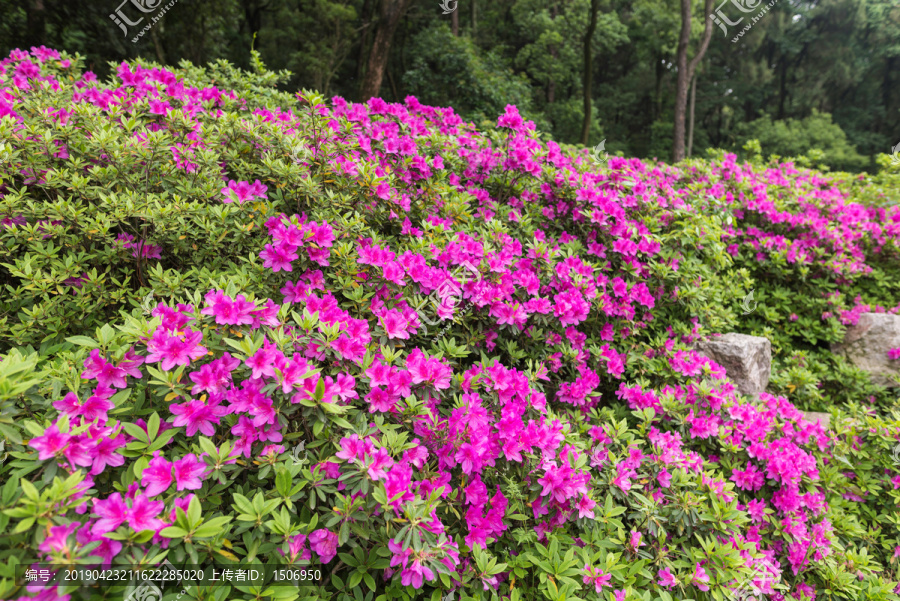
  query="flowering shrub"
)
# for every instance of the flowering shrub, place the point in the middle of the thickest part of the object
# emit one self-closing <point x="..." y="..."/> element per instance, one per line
<point x="480" y="344"/>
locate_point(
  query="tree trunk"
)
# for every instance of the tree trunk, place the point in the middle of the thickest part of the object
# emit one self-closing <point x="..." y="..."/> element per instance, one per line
<point x="160" y="54"/>
<point x="35" y="24"/>
<point x="681" y="81"/>
<point x="551" y="87"/>
<point x="393" y="85"/>
<point x="364" y="41"/>
<point x="886" y="90"/>
<point x="390" y="13"/>
<point x="474" y="17"/>
<point x="686" y="71"/>
<point x="588" y="71"/>
<point x="657" y="97"/>
<point x="454" y="22"/>
<point x="690" y="140"/>
<point x="554" y="53"/>
<point x="782" y="92"/>
<point x="253" y="15"/>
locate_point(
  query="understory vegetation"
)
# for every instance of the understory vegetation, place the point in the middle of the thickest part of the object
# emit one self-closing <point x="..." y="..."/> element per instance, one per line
<point x="425" y="357"/>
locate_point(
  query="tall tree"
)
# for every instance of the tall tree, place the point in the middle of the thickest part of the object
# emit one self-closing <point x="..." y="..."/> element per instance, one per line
<point x="690" y="139"/>
<point x="389" y="14"/>
<point x="367" y="16"/>
<point x="253" y="17"/>
<point x="686" y="71"/>
<point x="36" y="27"/>
<point x="588" y="71"/>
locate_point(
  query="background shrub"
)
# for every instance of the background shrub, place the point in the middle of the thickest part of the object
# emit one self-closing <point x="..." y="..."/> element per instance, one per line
<point x="482" y="341"/>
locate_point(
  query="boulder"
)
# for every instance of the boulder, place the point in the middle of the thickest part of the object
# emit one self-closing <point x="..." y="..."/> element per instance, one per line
<point x="866" y="345"/>
<point x="814" y="416"/>
<point x="746" y="359"/>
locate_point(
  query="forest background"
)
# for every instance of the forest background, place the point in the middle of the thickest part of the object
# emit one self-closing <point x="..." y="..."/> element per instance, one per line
<point x="794" y="75"/>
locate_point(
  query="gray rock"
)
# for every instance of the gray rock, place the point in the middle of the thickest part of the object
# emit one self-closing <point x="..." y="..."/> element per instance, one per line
<point x="746" y="359"/>
<point x="814" y="416"/>
<point x="866" y="345"/>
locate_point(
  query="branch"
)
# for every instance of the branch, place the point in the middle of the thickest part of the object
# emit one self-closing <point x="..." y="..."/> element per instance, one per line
<point x="704" y="41"/>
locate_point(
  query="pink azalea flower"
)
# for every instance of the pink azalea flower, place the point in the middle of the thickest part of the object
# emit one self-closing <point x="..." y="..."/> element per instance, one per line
<point x="106" y="454"/>
<point x="279" y="257"/>
<point x="157" y="476"/>
<point x="666" y="578"/>
<point x="188" y="471"/>
<point x="380" y="462"/>
<point x="57" y="539"/>
<point x="634" y="540"/>
<point x="143" y="514"/>
<point x="664" y="478"/>
<point x="416" y="573"/>
<point x="238" y="311"/>
<point x="113" y="513"/>
<point x="174" y="350"/>
<point x="586" y="507"/>
<point x="96" y="367"/>
<point x="243" y="191"/>
<point x="324" y="543"/>
<point x="197" y="416"/>
<point x="262" y="362"/>
<point x="700" y="578"/>
<point x="394" y="324"/>
<point x="297" y="548"/>
<point x="51" y="443"/>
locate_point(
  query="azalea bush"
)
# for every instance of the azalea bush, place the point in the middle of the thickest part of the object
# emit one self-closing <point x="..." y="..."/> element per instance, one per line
<point x="422" y="358"/>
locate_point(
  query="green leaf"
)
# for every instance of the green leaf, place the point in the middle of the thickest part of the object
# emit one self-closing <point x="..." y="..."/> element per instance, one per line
<point x="212" y="527"/>
<point x="173" y="532"/>
<point x="355" y="579"/>
<point x="120" y="397"/>
<point x="153" y="426"/>
<point x="370" y="582"/>
<point x="23" y="525"/>
<point x="194" y="511"/>
<point x="163" y="439"/>
<point x="83" y="341"/>
<point x="207" y="446"/>
<point x="135" y="431"/>
<point x="30" y="490"/>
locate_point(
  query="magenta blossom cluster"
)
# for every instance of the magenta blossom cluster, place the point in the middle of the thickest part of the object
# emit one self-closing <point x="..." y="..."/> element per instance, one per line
<point x="243" y="191"/>
<point x="475" y="452"/>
